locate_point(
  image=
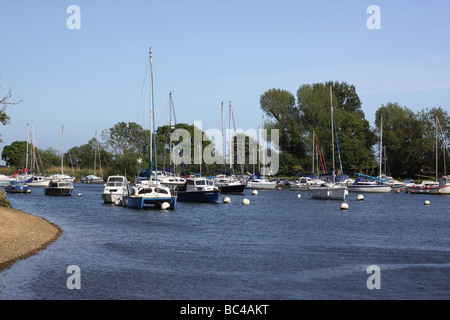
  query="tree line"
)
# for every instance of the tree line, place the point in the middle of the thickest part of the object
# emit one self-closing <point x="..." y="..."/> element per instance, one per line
<point x="408" y="138"/>
<point x="304" y="124"/>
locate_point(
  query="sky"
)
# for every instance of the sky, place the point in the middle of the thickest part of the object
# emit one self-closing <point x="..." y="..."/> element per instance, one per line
<point x="88" y="79"/>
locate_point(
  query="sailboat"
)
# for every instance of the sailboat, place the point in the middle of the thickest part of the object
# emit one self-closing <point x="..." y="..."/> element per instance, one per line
<point x="330" y="190"/>
<point x="60" y="184"/>
<point x="228" y="184"/>
<point x="170" y="179"/>
<point x="441" y="185"/>
<point x="147" y="192"/>
<point x="92" y="178"/>
<point x="371" y="184"/>
<point x="258" y="181"/>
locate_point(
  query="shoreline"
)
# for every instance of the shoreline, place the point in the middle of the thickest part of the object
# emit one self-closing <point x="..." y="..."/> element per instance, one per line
<point x="23" y="235"/>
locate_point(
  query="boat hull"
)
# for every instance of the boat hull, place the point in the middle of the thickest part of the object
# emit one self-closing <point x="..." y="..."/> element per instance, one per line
<point x="17" y="190"/>
<point x="237" y="188"/>
<point x="198" y="196"/>
<point x="370" y="188"/>
<point x="50" y="191"/>
<point x="328" y="193"/>
<point x="261" y="186"/>
<point x="148" y="202"/>
<point x="112" y="197"/>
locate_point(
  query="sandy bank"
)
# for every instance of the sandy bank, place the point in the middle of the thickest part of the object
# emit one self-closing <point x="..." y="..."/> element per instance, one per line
<point x="22" y="235"/>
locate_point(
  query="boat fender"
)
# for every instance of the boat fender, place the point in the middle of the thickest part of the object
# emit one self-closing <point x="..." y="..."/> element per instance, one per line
<point x="165" y="206"/>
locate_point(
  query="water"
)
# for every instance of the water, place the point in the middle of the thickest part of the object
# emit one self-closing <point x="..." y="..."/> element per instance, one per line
<point x="280" y="247"/>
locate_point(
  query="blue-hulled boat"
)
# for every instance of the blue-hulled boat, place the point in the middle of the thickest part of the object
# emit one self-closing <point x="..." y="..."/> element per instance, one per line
<point x="149" y="194"/>
<point x="198" y="190"/>
<point x="17" y="186"/>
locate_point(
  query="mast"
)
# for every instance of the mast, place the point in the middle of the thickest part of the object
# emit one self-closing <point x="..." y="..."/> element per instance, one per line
<point x="170" y="129"/>
<point x="26" y="160"/>
<point x="151" y="104"/>
<point x="313" y="149"/>
<point x="332" y="131"/>
<point x="62" y="150"/>
<point x="231" y="141"/>
<point x="224" y="142"/>
<point x="381" y="143"/>
<point x="436" y="149"/>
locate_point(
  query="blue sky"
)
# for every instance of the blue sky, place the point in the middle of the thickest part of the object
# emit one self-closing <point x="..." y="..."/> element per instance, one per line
<point x="207" y="52"/>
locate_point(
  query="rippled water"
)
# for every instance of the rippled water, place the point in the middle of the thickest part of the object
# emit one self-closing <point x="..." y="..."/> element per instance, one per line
<point x="279" y="247"/>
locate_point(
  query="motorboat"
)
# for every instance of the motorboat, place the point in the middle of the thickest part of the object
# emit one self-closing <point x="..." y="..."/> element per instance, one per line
<point x="17" y="186"/>
<point x="39" y="181"/>
<point x="363" y="184"/>
<point x="228" y="184"/>
<point x="59" y="185"/>
<point x="92" y="179"/>
<point x="261" y="183"/>
<point x="443" y="187"/>
<point x="328" y="190"/>
<point x="304" y="183"/>
<point x="148" y="194"/>
<point x="423" y="187"/>
<point x="198" y="190"/>
<point x="115" y="189"/>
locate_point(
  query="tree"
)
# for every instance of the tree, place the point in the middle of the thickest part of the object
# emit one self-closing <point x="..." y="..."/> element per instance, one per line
<point x="403" y="138"/>
<point x="283" y="114"/>
<point x="352" y="131"/>
<point x="15" y="153"/>
<point x="4" y="102"/>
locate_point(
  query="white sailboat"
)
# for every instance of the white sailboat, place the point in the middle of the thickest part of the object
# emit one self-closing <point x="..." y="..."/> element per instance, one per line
<point x="60" y="184"/>
<point x="93" y="178"/>
<point x="148" y="191"/>
<point x="330" y="190"/>
<point x="374" y="185"/>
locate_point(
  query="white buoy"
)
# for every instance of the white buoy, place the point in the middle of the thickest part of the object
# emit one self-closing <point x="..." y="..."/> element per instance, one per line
<point x="165" y="206"/>
<point x="344" y="206"/>
<point x="360" y="197"/>
<point x="245" y="201"/>
<point x="79" y="194"/>
<point x="427" y="202"/>
<point x="299" y="196"/>
<point x="254" y="192"/>
<point x="226" y="200"/>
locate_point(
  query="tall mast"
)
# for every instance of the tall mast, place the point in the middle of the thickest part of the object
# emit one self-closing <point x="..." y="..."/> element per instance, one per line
<point x="231" y="141"/>
<point x="224" y="142"/>
<point x="170" y="128"/>
<point x="436" y="149"/>
<point x="62" y="151"/>
<point x="332" y="130"/>
<point x="26" y="160"/>
<point x="151" y="105"/>
<point x="381" y="143"/>
<point x="312" y="154"/>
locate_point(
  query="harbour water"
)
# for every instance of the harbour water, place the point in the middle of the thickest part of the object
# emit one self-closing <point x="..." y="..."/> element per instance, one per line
<point x="279" y="247"/>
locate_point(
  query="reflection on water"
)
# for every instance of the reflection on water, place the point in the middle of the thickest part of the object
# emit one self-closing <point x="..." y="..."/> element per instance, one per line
<point x="278" y="247"/>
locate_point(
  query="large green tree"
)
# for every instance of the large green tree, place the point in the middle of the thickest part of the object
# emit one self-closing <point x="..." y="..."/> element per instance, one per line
<point x="283" y="114"/>
<point x="352" y="132"/>
<point x="15" y="154"/>
<point x="403" y="140"/>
